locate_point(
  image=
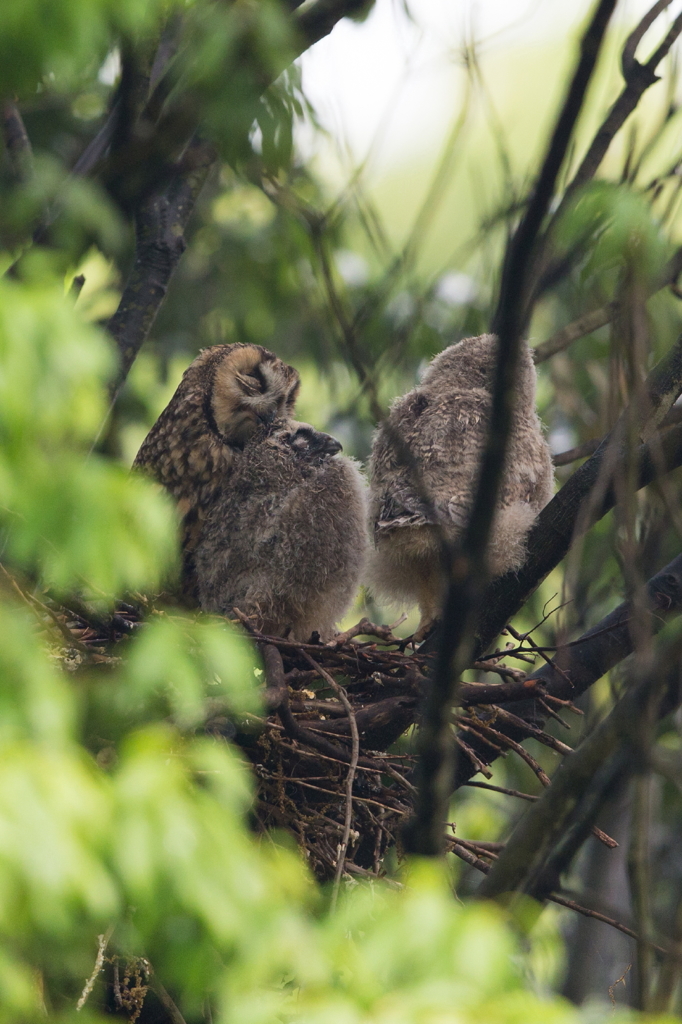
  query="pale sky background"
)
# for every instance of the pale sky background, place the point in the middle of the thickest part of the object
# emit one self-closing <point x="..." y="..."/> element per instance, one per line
<point x="391" y="79"/>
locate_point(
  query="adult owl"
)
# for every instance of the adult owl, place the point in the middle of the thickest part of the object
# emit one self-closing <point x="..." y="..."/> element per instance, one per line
<point x="285" y="541"/>
<point x="225" y="396"/>
<point x="229" y="451"/>
<point x="423" y="471"/>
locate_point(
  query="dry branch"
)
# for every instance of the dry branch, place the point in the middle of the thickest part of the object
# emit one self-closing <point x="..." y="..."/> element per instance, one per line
<point x="559" y="522"/>
<point x="578" y="665"/>
<point x="533" y="858"/>
<point x="465" y="592"/>
<point x="638" y="78"/>
<point x="589" y="322"/>
<point x="159" y="229"/>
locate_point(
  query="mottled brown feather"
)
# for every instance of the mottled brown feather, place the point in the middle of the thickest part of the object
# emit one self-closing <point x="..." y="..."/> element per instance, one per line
<point x="271" y="521"/>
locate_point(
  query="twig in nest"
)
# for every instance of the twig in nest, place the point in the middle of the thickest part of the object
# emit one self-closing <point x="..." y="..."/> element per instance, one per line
<point x="476" y="724"/>
<point x="551" y="713"/>
<point x="279" y="703"/>
<point x="366" y="628"/>
<point x="355" y="754"/>
<point x="395" y="774"/>
<point x="467" y="856"/>
<point x="401" y="809"/>
<point x="528" y="638"/>
<point x="517" y="674"/>
<point x="38" y="607"/>
<point x="568" y="704"/>
<point x="532" y="731"/>
<point x="477" y="763"/>
<point x="512" y="652"/>
<point x="102" y="943"/>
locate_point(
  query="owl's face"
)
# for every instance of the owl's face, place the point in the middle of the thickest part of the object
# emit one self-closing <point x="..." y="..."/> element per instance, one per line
<point x="227" y="394"/>
<point x="251" y="388"/>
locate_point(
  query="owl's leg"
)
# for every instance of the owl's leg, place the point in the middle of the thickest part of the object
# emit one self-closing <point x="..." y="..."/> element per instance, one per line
<point x="426" y="625"/>
<point x="430" y="592"/>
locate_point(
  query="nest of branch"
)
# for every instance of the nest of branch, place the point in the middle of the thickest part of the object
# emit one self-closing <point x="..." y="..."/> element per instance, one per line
<point x="325" y="761"/>
<point x="324" y="754"/>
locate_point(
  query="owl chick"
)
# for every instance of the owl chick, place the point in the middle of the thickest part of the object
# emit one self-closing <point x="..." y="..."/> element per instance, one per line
<point x="424" y="467"/>
<point x="227" y="394"/>
<point x="285" y="541"/>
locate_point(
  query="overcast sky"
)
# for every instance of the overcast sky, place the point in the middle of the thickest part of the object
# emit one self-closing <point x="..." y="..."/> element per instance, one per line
<point x="390" y="80"/>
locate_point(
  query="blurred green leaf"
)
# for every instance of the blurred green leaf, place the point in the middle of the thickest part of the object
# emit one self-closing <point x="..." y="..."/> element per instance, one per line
<point x="184" y="666"/>
<point x="612" y="227"/>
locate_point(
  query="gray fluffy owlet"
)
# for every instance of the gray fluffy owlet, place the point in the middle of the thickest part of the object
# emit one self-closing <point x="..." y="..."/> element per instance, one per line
<point x="286" y="540"/>
<point x="442" y="423"/>
<point x="200" y="447"/>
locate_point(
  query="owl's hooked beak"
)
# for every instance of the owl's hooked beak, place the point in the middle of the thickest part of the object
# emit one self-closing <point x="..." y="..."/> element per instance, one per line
<point x="304" y="437"/>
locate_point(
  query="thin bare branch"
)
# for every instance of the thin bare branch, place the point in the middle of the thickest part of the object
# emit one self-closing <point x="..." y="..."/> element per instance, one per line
<point x="572" y="332"/>
<point x="586" y="775"/>
<point x="638" y="79"/>
<point x="160" y="226"/>
<point x="590" y="322"/>
<point x="17" y="142"/>
<point x="634" y="39"/>
<point x="102" y="943"/>
<point x="465" y="852"/>
<point x="555" y="528"/>
<point x="501" y="789"/>
<point x="350" y="778"/>
<point x="466" y="588"/>
<point x="578" y="665"/>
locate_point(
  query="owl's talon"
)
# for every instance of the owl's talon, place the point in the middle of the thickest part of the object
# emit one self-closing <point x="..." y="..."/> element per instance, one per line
<point x="366" y="628"/>
<point x="424" y="630"/>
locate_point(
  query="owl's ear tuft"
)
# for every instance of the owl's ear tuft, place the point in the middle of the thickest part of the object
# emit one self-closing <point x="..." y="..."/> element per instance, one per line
<point x="292" y="394"/>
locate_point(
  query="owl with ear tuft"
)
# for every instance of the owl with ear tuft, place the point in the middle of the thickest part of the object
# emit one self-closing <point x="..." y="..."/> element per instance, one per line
<point x="423" y="472"/>
<point x="272" y="522"/>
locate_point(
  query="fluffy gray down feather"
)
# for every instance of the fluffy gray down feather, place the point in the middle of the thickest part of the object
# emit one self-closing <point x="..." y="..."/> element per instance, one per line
<point x="286" y="541"/>
<point x="424" y="466"/>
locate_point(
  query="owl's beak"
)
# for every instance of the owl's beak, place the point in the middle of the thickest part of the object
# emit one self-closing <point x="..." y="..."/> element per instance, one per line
<point x="305" y="437"/>
<point x="327" y="444"/>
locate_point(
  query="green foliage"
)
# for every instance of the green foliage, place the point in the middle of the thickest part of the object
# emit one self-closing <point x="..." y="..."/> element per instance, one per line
<point x="235" y="51"/>
<point x="86" y="216"/>
<point x="611" y="228"/>
<point x="117" y="820"/>
<point x="184" y="669"/>
<point x="158" y="848"/>
<point x="118" y="815"/>
<point x="75" y="518"/>
<point x="61" y="41"/>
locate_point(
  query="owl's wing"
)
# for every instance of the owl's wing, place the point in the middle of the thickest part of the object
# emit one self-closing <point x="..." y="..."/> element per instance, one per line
<point x="405" y="510"/>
